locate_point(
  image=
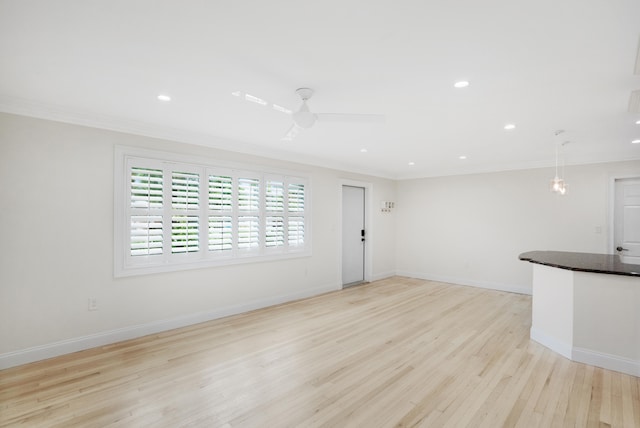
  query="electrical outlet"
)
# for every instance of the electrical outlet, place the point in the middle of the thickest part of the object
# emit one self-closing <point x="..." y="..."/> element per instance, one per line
<point x="93" y="304"/>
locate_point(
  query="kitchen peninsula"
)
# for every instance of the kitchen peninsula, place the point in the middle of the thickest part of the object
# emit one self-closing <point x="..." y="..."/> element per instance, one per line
<point x="586" y="307"/>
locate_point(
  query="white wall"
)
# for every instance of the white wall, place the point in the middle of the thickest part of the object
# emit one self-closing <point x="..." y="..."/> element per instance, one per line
<point x="470" y="229"/>
<point x="56" y="246"/>
<point x="57" y="203"/>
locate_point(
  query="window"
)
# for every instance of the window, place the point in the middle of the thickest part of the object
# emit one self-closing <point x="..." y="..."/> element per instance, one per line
<point x="275" y="201"/>
<point x="146" y="229"/>
<point x="173" y="215"/>
<point x="185" y="201"/>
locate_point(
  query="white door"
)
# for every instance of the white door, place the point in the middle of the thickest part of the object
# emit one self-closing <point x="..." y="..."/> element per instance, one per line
<point x="627" y="220"/>
<point x="353" y="235"/>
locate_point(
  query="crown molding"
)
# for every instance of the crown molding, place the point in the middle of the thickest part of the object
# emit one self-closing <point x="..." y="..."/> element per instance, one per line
<point x="57" y="113"/>
<point x="30" y="108"/>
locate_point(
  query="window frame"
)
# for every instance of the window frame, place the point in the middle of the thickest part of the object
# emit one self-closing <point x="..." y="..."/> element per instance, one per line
<point x="126" y="264"/>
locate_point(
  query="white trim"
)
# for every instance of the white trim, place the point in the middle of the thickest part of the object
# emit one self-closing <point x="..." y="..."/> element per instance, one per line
<point x="612" y="208"/>
<point x="42" y="352"/>
<point x="382" y="275"/>
<point x="211" y="162"/>
<point x="607" y="361"/>
<point x="587" y="356"/>
<point x="368" y="225"/>
<point x="552" y="343"/>
<point x="125" y="265"/>
<point x="511" y="288"/>
<point x="48" y="111"/>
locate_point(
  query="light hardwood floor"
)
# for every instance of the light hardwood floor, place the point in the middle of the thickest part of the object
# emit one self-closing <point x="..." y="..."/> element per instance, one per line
<point x="397" y="352"/>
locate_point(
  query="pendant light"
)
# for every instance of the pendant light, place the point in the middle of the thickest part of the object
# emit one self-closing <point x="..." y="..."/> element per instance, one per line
<point x="557" y="184"/>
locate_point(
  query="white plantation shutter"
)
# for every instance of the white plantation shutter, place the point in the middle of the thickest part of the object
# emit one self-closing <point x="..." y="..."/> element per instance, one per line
<point x="296" y="231"/>
<point x="177" y="215"/>
<point x="146" y="188"/>
<point x="146" y="235"/>
<point x="296" y="197"/>
<point x="248" y="208"/>
<point x="185" y="221"/>
<point x="185" y="234"/>
<point x="248" y="194"/>
<point x="185" y="190"/>
<point x="274" y="204"/>
<point x="274" y="196"/>
<point x="146" y="203"/>
<point x="221" y="206"/>
<point x="220" y="193"/>
<point x="274" y="233"/>
<point x="248" y="232"/>
<point x="220" y="233"/>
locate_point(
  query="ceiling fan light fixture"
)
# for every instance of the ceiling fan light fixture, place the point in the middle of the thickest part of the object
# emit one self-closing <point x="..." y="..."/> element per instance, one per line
<point x="558" y="184"/>
<point x="303" y="117"/>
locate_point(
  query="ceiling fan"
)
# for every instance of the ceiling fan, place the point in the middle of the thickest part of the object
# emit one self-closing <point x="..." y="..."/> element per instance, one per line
<point x="305" y="118"/>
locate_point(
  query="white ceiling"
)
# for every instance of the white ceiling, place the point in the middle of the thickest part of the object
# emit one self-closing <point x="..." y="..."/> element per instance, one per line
<point x="542" y="65"/>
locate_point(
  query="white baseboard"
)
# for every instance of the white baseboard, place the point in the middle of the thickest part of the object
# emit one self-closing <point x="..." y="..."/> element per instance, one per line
<point x="588" y="356"/>
<point x="383" y="275"/>
<point x="50" y="350"/>
<point x="562" y="348"/>
<point x="511" y="288"/>
<point x="607" y="361"/>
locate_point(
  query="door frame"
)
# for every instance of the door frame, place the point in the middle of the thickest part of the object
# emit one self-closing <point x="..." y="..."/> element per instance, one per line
<point x="368" y="226"/>
<point x="612" y="207"/>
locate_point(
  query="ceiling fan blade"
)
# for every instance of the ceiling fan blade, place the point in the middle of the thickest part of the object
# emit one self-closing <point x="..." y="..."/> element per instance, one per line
<point x="634" y="101"/>
<point x="278" y="107"/>
<point x="291" y="133"/>
<point x="348" y="117"/>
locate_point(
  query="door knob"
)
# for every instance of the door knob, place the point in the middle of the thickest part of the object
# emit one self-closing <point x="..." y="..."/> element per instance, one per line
<point x="621" y="249"/>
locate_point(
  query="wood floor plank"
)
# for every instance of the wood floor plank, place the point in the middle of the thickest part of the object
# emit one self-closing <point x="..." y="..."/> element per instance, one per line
<point x="398" y="352"/>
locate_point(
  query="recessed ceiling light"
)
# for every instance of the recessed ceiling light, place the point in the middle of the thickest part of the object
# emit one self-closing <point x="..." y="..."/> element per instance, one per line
<point x="164" y="97"/>
<point x="637" y="122"/>
<point x="461" y="84"/>
<point x="635" y="142"/>
<point x="509" y="126"/>
<point x="363" y="150"/>
<point x="412" y="163"/>
<point x="463" y="157"/>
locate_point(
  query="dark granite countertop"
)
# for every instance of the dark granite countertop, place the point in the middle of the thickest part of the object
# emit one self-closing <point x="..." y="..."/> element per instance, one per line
<point x="583" y="262"/>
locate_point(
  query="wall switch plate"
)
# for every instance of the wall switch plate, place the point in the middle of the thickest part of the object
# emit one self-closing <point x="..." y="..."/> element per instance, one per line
<point x="93" y="304"/>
